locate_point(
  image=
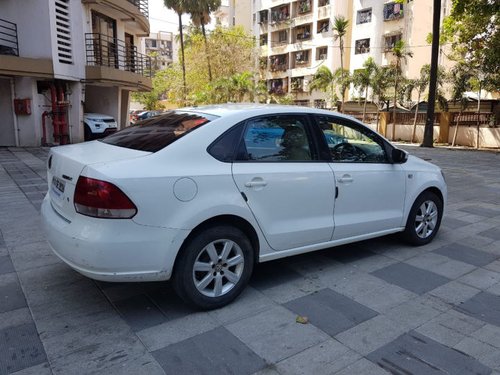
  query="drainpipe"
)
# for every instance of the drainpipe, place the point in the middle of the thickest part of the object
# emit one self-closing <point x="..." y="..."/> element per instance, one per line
<point x="55" y="113"/>
<point x="44" y="129"/>
<point x="63" y="124"/>
<point x="14" y="116"/>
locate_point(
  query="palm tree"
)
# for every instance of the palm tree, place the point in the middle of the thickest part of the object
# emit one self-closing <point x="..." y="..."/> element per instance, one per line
<point x="401" y="53"/>
<point x="362" y="80"/>
<point x="340" y="27"/>
<point x="200" y="16"/>
<point x="380" y="83"/>
<point x="324" y="80"/>
<point x="179" y="6"/>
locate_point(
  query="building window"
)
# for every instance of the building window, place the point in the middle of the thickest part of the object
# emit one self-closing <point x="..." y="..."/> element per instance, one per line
<point x="323" y="26"/>
<point x="304" y="32"/>
<point x="263" y="16"/>
<point x="319" y="103"/>
<point x="280" y="14"/>
<point x="393" y="11"/>
<point x="390" y="41"/>
<point x="151" y="43"/>
<point x="321" y="53"/>
<point x="364" y="16"/>
<point x="362" y="46"/>
<point x="322" y="3"/>
<point x="297" y="84"/>
<point x="279" y="63"/>
<point x="304" y="6"/>
<point x="283" y="37"/>
<point x="301" y="58"/>
<point x="263" y="40"/>
<point x="278" y="86"/>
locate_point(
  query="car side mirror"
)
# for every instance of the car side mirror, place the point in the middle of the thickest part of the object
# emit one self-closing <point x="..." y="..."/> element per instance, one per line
<point x="399" y="156"/>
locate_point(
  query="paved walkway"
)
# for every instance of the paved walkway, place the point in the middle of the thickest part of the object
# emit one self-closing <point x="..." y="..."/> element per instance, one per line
<point x="373" y="307"/>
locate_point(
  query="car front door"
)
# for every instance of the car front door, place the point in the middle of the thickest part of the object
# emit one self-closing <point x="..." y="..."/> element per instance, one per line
<point x="371" y="190"/>
<point x="289" y="191"/>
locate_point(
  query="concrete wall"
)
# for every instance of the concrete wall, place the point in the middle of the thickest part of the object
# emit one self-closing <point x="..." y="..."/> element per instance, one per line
<point x="100" y="99"/>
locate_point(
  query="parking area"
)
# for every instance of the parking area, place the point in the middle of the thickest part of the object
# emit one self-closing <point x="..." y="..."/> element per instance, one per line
<point x="374" y="307"/>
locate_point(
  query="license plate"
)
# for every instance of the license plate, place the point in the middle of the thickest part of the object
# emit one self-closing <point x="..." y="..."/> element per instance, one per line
<point x="58" y="187"/>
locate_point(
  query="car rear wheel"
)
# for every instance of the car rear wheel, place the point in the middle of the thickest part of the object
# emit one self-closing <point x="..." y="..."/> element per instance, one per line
<point x="424" y="219"/>
<point x="213" y="267"/>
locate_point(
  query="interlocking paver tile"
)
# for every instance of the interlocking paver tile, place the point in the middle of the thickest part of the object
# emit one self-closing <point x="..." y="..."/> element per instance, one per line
<point x="493" y="233"/>
<point x="330" y="311"/>
<point x="411" y="278"/>
<point x="271" y="274"/>
<point x="213" y="352"/>
<point x="20" y="348"/>
<point x="11" y="294"/>
<point x="452" y="223"/>
<point x="6" y="265"/>
<point x="140" y="312"/>
<point x="481" y="278"/>
<point x="274" y="334"/>
<point x="467" y="254"/>
<point x="481" y="211"/>
<point x="413" y="353"/>
<point x="483" y="306"/>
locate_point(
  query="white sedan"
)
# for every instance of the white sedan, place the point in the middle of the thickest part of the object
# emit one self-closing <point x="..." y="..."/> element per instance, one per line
<point x="199" y="195"/>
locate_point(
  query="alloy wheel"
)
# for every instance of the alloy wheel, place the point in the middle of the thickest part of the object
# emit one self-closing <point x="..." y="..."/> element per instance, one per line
<point x="426" y="219"/>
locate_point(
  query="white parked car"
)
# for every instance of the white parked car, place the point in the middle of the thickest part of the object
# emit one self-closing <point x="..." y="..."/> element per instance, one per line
<point x="199" y="195"/>
<point x="98" y="125"/>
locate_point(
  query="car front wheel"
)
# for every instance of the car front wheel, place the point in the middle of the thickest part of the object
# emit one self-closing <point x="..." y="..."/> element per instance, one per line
<point x="213" y="267"/>
<point x="424" y="219"/>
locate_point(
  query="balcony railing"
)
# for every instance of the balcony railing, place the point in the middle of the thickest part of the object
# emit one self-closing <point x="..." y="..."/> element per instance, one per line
<point x="143" y="6"/>
<point x="8" y="38"/>
<point x="102" y="50"/>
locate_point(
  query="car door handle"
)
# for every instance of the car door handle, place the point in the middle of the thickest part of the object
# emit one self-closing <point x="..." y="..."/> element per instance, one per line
<point x="256" y="183"/>
<point x="345" y="179"/>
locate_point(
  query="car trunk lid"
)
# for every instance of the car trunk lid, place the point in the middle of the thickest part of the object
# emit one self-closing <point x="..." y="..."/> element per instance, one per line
<point x="65" y="164"/>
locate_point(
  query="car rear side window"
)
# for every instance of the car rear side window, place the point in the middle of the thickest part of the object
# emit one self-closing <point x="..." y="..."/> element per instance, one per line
<point x="158" y="132"/>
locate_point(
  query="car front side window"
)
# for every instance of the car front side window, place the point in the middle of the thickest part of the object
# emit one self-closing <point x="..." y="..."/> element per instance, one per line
<point x="276" y="139"/>
<point x="351" y="143"/>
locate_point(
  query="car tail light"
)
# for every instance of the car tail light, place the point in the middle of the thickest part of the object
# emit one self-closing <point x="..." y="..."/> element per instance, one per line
<point x="102" y="199"/>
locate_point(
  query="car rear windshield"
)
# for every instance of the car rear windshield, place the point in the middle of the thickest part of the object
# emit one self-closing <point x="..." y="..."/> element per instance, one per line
<point x="158" y="132"/>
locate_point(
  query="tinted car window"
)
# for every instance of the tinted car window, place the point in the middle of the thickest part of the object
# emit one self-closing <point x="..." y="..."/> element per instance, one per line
<point x="276" y="138"/>
<point x="224" y="147"/>
<point x="158" y="132"/>
<point x="349" y="142"/>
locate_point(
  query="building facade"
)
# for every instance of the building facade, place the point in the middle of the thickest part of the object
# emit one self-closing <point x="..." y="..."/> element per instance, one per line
<point x="295" y="39"/>
<point x="160" y="47"/>
<point x="63" y="58"/>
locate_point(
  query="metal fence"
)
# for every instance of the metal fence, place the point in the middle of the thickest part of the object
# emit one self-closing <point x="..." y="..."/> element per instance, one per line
<point x="8" y="38"/>
<point x="102" y="50"/>
<point x="143" y="6"/>
<point x="474" y="119"/>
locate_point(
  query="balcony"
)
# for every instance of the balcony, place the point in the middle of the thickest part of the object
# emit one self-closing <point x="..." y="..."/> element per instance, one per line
<point x="112" y="60"/>
<point x="279" y="63"/>
<point x="301" y="33"/>
<point x="297" y="84"/>
<point x="278" y="86"/>
<point x="13" y="65"/>
<point x="134" y="12"/>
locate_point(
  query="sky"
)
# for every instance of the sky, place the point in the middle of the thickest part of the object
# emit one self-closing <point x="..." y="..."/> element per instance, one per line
<point x="163" y="19"/>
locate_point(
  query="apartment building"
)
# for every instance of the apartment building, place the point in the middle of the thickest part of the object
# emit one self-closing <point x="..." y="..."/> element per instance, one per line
<point x="378" y="25"/>
<point x="63" y="58"/>
<point x="160" y="47"/>
<point x="295" y="39"/>
<point x="234" y="12"/>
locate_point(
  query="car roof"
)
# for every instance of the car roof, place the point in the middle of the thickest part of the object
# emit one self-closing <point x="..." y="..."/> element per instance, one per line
<point x="255" y="109"/>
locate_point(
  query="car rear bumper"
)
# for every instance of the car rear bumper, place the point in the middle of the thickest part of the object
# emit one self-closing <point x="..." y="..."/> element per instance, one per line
<point x="112" y="250"/>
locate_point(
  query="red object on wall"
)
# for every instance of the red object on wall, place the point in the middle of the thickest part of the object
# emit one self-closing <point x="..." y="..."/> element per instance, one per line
<point x="22" y="106"/>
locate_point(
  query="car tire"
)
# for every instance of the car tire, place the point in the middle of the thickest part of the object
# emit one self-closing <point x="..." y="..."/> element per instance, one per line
<point x="87" y="133"/>
<point x="213" y="267"/>
<point x="424" y="219"/>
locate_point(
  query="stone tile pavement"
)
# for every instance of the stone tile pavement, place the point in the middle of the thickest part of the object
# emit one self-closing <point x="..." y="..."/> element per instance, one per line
<point x="375" y="307"/>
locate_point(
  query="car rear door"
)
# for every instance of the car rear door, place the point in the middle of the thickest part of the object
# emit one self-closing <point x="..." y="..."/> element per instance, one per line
<point x="289" y="191"/>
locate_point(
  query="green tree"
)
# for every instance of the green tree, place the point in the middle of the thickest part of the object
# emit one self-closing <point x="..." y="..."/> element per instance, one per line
<point x="473" y="29"/>
<point x="179" y="7"/>
<point x="461" y="82"/>
<point x="400" y="53"/>
<point x="340" y="28"/>
<point x="362" y="80"/>
<point x="200" y="16"/>
<point x="380" y="83"/>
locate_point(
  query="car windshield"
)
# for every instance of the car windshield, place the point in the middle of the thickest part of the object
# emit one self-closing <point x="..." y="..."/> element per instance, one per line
<point x="158" y="132"/>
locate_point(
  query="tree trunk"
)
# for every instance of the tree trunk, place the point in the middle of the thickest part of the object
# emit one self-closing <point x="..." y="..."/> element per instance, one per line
<point x="393" y="132"/>
<point x="478" y="115"/>
<point x="184" y="88"/>
<point x="378" y="119"/>
<point x="415" y="119"/>
<point x="429" y="122"/>
<point x="364" y="105"/>
<point x="342" y="74"/>
<point x="206" y="52"/>
<point x="456" y="130"/>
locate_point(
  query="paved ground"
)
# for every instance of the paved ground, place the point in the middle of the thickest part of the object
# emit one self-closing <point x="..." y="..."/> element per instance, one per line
<point x="373" y="307"/>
